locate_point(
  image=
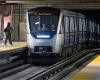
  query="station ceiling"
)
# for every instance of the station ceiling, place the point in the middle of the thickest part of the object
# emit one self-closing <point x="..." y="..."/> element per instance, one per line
<point x="90" y="8"/>
<point x="65" y="4"/>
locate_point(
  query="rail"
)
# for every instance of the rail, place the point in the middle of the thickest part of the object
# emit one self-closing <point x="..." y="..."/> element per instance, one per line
<point x="60" y="66"/>
<point x="57" y="69"/>
<point x="13" y="55"/>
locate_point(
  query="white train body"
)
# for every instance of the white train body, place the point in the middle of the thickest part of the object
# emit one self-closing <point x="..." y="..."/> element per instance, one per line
<point x="49" y="31"/>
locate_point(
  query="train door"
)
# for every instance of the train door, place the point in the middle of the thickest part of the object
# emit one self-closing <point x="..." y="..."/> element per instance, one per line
<point x="66" y="36"/>
<point x="76" y="33"/>
<point x="73" y="34"/>
<point x="69" y="34"/>
<point x="61" y="34"/>
<point x="67" y="29"/>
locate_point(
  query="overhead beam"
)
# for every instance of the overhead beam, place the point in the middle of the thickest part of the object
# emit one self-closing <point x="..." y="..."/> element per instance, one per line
<point x="66" y="4"/>
<point x="31" y="1"/>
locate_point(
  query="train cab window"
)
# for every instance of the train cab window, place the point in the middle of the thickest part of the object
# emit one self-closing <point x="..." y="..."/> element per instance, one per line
<point x="43" y="22"/>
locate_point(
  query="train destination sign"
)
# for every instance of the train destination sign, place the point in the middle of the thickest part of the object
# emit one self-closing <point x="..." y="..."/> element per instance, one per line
<point x="43" y="14"/>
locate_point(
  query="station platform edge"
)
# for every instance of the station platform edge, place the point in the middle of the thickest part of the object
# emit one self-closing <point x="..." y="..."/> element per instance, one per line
<point x="89" y="72"/>
<point x="15" y="45"/>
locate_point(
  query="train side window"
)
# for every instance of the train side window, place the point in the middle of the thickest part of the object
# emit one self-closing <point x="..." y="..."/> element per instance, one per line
<point x="99" y="32"/>
<point x="84" y="29"/>
<point x="92" y="26"/>
<point x="75" y="30"/>
<point x="80" y="29"/>
<point x="72" y="35"/>
<point x="90" y="22"/>
<point x="71" y="24"/>
<point x="80" y="24"/>
<point x="95" y="26"/>
<point x="98" y="28"/>
<point x="66" y="21"/>
<point x="84" y="26"/>
<point x="92" y="30"/>
<point x="96" y="31"/>
<point x="74" y="19"/>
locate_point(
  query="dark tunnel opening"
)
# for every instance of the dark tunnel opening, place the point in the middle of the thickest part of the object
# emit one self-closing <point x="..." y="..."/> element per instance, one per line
<point x="93" y="14"/>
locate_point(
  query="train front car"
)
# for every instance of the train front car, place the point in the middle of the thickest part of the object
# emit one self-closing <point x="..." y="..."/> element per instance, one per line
<point x="43" y="26"/>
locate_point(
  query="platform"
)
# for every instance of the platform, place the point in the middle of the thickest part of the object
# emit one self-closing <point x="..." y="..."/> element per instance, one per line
<point x="89" y="72"/>
<point x="15" y="45"/>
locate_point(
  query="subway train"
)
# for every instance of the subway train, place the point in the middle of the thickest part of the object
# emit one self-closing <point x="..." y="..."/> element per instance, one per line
<point x="57" y="32"/>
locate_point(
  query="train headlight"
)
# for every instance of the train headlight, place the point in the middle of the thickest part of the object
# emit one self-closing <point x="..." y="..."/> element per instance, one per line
<point x="43" y="36"/>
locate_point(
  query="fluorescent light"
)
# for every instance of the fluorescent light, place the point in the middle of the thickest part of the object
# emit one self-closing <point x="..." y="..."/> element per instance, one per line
<point x="43" y="36"/>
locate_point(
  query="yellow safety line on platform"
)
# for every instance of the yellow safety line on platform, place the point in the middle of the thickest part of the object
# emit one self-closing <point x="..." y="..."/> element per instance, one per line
<point x="11" y="47"/>
<point x="96" y="61"/>
<point x="89" y="72"/>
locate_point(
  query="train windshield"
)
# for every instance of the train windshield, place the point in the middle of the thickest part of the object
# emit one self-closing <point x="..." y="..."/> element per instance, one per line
<point x="43" y="22"/>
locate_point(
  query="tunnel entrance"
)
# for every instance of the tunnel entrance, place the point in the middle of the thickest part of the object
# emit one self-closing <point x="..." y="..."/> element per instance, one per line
<point x="93" y="14"/>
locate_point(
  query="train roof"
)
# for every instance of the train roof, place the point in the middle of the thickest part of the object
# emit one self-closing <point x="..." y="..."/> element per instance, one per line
<point x="65" y="12"/>
<point x="73" y="14"/>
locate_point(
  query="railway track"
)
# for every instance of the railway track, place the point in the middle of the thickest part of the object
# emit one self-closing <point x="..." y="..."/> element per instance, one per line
<point x="25" y="74"/>
<point x="30" y="72"/>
